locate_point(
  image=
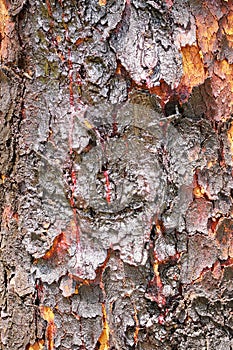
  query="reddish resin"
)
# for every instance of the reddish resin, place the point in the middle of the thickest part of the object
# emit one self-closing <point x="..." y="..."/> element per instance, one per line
<point x="107" y="186"/>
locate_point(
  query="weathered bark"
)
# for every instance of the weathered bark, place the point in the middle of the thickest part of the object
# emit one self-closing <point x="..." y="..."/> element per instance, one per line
<point x="116" y="174"/>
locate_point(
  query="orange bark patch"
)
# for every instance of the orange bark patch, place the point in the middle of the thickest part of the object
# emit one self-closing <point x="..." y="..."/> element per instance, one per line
<point x="4" y="19"/>
<point x="193" y="66"/>
<point x="39" y="345"/>
<point x="104" y="337"/>
<point x="102" y="2"/>
<point x="193" y="75"/>
<point x="48" y="315"/>
<point x="198" y="192"/>
<point x="137" y="326"/>
<point x="59" y="247"/>
<point x="228" y="28"/>
<point x="222" y="87"/>
<point x="210" y="56"/>
<point x="161" y="300"/>
<point x="163" y="90"/>
<point x="207" y="28"/>
<point x="214" y="25"/>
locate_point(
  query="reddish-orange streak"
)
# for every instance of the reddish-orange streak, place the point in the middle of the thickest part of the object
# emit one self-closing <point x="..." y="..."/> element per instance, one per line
<point x="107" y="183"/>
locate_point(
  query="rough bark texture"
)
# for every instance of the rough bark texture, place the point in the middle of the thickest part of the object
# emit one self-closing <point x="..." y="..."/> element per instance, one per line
<point x="116" y="174"/>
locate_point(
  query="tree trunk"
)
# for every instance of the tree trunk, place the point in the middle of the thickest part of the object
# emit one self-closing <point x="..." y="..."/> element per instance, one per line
<point x="116" y="174"/>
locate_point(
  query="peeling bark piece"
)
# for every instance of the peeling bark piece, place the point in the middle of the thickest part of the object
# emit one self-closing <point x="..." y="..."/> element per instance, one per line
<point x="20" y="283"/>
<point x="146" y="61"/>
<point x="197" y="216"/>
<point x="224" y="238"/>
<point x="67" y="286"/>
<point x="202" y="253"/>
<point x="87" y="303"/>
<point x="164" y="247"/>
<point x="193" y="67"/>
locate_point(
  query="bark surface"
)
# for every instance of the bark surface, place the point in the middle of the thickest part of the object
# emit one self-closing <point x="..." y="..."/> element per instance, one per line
<point x="116" y="159"/>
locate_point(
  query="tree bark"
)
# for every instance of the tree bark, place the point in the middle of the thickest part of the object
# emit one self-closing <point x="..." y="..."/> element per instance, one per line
<point x="116" y="174"/>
